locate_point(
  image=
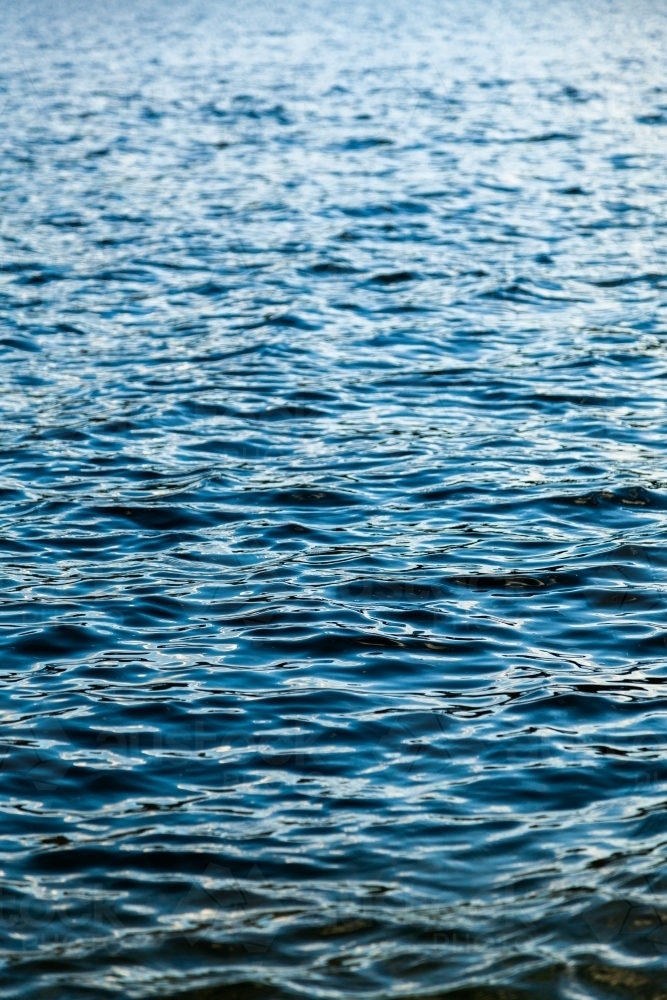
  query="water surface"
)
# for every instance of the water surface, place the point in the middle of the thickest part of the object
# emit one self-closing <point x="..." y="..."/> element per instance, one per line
<point x="333" y="500"/>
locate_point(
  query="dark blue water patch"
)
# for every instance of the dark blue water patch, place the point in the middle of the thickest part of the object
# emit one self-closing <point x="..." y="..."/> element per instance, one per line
<point x="550" y="137"/>
<point x="55" y="642"/>
<point x="332" y="267"/>
<point x="368" y="142"/>
<point x="653" y="118"/>
<point x="19" y="344"/>
<point x="649" y="278"/>
<point x="393" y="278"/>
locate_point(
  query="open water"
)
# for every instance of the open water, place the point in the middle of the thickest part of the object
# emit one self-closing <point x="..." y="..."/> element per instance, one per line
<point x="333" y="387"/>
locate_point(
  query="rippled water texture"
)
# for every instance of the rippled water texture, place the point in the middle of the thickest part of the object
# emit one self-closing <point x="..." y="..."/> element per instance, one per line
<point x="334" y="500"/>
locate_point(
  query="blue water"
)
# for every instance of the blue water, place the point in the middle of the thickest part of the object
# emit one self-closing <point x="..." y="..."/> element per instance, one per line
<point x="333" y="500"/>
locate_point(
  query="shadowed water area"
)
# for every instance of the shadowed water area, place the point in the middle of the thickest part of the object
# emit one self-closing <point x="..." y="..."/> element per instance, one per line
<point x="333" y="631"/>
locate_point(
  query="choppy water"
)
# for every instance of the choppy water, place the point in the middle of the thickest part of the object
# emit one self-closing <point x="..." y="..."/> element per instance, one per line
<point x="334" y="500"/>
